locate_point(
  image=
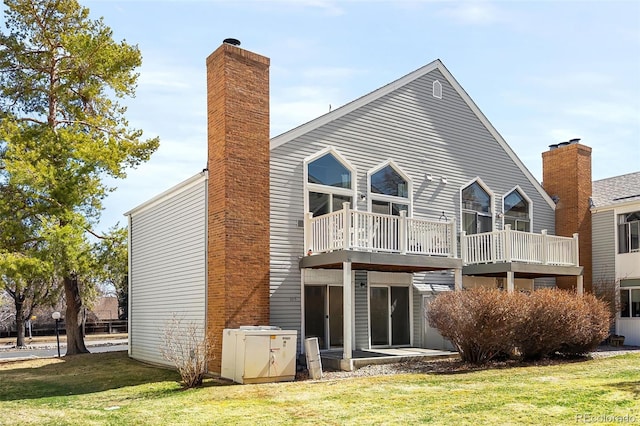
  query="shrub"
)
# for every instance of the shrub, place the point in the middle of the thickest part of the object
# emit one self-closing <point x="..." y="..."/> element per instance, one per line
<point x="478" y="322"/>
<point x="485" y="323"/>
<point x="188" y="349"/>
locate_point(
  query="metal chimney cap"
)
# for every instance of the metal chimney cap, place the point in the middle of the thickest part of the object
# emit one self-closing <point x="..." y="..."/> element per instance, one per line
<point x="574" y="140"/>
<point x="232" y="41"/>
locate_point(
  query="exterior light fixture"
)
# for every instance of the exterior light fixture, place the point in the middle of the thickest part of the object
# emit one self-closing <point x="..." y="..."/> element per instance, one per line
<point x="444" y="180"/>
<point x="56" y="317"/>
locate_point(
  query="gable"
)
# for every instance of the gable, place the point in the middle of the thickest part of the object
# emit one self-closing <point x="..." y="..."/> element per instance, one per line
<point x="410" y="102"/>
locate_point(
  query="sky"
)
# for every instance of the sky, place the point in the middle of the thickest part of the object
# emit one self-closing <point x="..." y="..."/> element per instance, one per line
<point x="542" y="72"/>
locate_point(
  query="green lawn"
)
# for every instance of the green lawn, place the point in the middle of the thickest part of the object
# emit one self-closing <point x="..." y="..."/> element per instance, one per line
<point x="112" y="389"/>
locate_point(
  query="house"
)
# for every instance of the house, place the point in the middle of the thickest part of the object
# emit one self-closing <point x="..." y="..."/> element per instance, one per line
<point x="345" y="227"/>
<point x="615" y="208"/>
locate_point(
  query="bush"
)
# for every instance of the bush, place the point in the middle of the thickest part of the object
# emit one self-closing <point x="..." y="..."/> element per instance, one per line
<point x="485" y="323"/>
<point x="188" y="349"/>
<point x="478" y="322"/>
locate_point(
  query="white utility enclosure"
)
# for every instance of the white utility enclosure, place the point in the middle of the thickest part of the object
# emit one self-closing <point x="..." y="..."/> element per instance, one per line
<point x="258" y="354"/>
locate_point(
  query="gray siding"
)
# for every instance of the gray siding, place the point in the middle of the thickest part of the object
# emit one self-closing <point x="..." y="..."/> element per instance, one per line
<point x="168" y="268"/>
<point x="421" y="134"/>
<point x="603" y="225"/>
<point x="362" y="311"/>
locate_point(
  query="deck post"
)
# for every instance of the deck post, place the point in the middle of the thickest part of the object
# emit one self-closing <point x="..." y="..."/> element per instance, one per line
<point x="347" y="316"/>
<point x="545" y="248"/>
<point x="308" y="233"/>
<point x="463" y="247"/>
<point x="576" y="248"/>
<point x="580" y="286"/>
<point x="402" y="237"/>
<point x="508" y="241"/>
<point x="457" y="279"/>
<point x="510" y="282"/>
<point x="454" y="239"/>
<point x="346" y="243"/>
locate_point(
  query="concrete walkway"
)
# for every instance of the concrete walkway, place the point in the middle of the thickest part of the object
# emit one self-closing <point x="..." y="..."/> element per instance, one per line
<point x="46" y="346"/>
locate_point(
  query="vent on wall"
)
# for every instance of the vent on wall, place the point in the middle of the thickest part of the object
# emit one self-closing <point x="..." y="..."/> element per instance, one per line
<point x="437" y="89"/>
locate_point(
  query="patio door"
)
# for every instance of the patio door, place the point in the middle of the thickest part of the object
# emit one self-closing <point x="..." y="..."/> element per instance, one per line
<point x="389" y="316"/>
<point x="323" y="314"/>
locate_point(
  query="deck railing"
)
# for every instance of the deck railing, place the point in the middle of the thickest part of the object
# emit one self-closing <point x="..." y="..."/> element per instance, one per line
<point x="349" y="229"/>
<point x="517" y="246"/>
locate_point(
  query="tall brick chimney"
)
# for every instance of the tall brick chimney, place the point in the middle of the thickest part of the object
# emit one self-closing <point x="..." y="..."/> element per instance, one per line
<point x="566" y="175"/>
<point x="238" y="192"/>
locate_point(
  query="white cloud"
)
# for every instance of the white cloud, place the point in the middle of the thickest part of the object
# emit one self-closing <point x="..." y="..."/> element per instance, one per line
<point x="474" y="13"/>
<point x="330" y="72"/>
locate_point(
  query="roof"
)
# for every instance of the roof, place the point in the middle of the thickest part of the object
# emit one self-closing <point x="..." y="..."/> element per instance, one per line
<point x="384" y="90"/>
<point x="616" y="190"/>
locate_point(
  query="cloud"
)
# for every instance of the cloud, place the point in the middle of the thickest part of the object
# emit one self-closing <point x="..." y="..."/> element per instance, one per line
<point x="474" y="13"/>
<point x="330" y="72"/>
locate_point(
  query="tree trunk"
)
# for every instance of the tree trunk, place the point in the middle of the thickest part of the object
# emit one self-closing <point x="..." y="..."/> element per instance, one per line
<point x="19" y="322"/>
<point x="75" y="338"/>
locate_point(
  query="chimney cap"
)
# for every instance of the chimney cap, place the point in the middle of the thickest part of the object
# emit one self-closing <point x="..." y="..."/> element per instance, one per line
<point x="574" y="140"/>
<point x="553" y="146"/>
<point x="232" y="41"/>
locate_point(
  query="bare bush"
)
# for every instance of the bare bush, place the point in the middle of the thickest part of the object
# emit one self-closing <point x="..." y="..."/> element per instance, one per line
<point x="189" y="349"/>
<point x="485" y="323"/>
<point x="478" y="322"/>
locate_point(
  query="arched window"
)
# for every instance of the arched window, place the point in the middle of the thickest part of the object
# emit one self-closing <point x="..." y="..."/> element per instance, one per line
<point x="517" y="211"/>
<point x="389" y="190"/>
<point x="476" y="209"/>
<point x="329" y="182"/>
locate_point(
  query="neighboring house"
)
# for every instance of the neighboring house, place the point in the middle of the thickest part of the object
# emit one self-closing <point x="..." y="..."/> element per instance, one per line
<point x="616" y="247"/>
<point x="345" y="227"/>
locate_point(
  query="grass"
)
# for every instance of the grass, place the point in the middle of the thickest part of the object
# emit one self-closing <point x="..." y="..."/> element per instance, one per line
<point x="109" y="388"/>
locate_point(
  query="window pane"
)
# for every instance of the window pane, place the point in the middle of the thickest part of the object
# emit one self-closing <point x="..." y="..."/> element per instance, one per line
<point x="624" y="304"/>
<point x="486" y="224"/>
<point x="380" y="207"/>
<point x="338" y="200"/>
<point x="522" y="225"/>
<point x="623" y="238"/>
<point x="469" y="223"/>
<point x="327" y="170"/>
<point x="389" y="182"/>
<point x="318" y="203"/>
<point x="634" y="235"/>
<point x="397" y="208"/>
<point x="635" y="303"/>
<point x="632" y="217"/>
<point x="516" y="206"/>
<point x="476" y="198"/>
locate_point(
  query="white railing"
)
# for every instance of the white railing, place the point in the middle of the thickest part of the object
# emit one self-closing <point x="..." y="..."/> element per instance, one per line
<point x="517" y="246"/>
<point x="348" y="229"/>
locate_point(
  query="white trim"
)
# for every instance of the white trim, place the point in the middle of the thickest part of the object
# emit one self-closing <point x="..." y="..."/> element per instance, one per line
<point x="181" y="187"/>
<point x="491" y="196"/>
<point x="129" y="293"/>
<point x="527" y="199"/>
<point x="376" y="94"/>
<point x="390" y="198"/>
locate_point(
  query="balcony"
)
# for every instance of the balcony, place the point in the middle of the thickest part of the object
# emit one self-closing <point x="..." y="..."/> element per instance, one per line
<point x="517" y="246"/>
<point x="380" y="242"/>
<point x="524" y="254"/>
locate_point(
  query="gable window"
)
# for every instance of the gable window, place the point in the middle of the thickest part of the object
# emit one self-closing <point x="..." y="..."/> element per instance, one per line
<point x="629" y="232"/>
<point x="476" y="209"/>
<point x="329" y="182"/>
<point x="516" y="211"/>
<point x="389" y="190"/>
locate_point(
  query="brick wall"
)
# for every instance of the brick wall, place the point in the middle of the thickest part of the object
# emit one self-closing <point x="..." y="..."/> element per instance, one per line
<point x="567" y="175"/>
<point x="238" y="192"/>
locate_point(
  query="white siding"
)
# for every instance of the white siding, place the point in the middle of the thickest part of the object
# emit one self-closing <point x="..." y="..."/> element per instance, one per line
<point x="168" y="267"/>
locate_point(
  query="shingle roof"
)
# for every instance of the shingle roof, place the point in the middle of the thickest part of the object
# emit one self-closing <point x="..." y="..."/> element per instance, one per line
<point x="616" y="190"/>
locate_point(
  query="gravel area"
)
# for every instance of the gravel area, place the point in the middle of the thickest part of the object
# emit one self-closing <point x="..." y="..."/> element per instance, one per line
<point x="455" y="365"/>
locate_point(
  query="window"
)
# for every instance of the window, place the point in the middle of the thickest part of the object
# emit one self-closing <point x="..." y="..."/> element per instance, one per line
<point x="516" y="211"/>
<point x="630" y="303"/>
<point x="389" y="190"/>
<point x="629" y="232"/>
<point x="476" y="209"/>
<point x="329" y="182"/>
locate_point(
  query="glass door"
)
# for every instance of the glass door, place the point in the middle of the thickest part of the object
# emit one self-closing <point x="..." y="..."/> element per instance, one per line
<point x="336" y="315"/>
<point x="379" y="305"/>
<point x="315" y="313"/>
<point x="400" y="323"/>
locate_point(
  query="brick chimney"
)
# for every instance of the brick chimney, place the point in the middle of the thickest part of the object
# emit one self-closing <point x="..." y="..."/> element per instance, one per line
<point x="566" y="170"/>
<point x="238" y="191"/>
